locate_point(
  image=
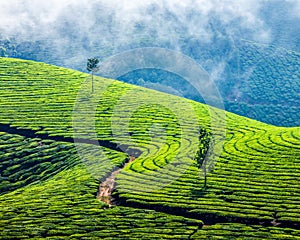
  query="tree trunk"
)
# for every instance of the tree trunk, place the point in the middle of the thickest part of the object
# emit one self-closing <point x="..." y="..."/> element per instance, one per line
<point x="92" y="82"/>
<point x="204" y="173"/>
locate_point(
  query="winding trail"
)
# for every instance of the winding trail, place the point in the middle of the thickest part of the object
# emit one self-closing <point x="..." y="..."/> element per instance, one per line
<point x="107" y="186"/>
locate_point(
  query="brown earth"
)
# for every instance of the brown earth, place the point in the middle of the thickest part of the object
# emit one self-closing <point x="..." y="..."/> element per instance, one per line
<point x="107" y="186"/>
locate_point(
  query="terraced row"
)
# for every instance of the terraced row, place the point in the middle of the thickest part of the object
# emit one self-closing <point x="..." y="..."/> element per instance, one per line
<point x="56" y="199"/>
<point x="242" y="231"/>
<point x="255" y="180"/>
<point x="50" y="111"/>
<point x="27" y="160"/>
<point x="63" y="206"/>
<point x="259" y="80"/>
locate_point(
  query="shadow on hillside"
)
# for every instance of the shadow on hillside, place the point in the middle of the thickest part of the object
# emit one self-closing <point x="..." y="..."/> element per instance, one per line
<point x="198" y="193"/>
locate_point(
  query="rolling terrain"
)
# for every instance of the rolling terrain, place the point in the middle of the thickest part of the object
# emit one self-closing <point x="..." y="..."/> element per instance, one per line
<point x="255" y="80"/>
<point x="59" y="142"/>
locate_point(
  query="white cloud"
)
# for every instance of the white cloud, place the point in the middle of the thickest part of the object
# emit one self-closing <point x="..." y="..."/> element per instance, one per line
<point x="23" y="17"/>
<point x="116" y="25"/>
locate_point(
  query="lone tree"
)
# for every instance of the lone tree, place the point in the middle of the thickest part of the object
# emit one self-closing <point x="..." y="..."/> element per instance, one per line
<point x="203" y="152"/>
<point x="92" y="66"/>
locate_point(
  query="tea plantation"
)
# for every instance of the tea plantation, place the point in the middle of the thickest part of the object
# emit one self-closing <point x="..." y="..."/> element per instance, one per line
<point x="49" y="184"/>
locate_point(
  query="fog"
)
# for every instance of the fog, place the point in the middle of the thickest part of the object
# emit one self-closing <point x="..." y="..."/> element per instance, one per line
<point x="70" y="31"/>
<point x="103" y="28"/>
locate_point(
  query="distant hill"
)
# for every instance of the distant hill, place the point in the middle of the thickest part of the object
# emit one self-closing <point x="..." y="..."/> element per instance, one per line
<point x="255" y="80"/>
<point x="49" y="183"/>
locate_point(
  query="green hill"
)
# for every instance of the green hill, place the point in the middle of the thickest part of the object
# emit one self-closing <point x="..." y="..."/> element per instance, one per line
<point x="48" y="184"/>
<point x="258" y="81"/>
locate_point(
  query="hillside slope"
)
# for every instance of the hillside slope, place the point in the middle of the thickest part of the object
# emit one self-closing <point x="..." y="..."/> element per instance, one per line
<point x="255" y="80"/>
<point x="49" y="184"/>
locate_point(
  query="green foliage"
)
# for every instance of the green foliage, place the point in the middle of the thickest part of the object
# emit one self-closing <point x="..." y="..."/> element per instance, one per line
<point x="92" y="64"/>
<point x="268" y="86"/>
<point x="241" y="231"/>
<point x="65" y="207"/>
<point x="48" y="192"/>
<point x="256" y="176"/>
<point x="24" y="160"/>
<point x="260" y="81"/>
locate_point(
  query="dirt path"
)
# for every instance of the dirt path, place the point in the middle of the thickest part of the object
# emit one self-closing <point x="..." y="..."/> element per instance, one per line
<point x="107" y="186"/>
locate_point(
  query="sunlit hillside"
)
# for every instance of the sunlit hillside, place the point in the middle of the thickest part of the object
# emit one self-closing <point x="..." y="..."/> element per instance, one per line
<point x="59" y="143"/>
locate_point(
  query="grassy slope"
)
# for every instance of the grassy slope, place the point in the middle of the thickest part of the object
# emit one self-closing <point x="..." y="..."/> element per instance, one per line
<point x="264" y="79"/>
<point x="62" y="203"/>
<point x="257" y="175"/>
